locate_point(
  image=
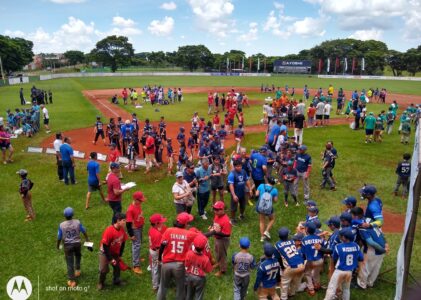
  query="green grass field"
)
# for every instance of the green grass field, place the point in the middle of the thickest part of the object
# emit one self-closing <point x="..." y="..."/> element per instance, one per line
<point x="28" y="249"/>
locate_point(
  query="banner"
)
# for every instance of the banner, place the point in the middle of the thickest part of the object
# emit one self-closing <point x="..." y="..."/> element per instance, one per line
<point x="258" y="64"/>
<point x="337" y="65"/>
<point x="292" y="66"/>
<point x="242" y="64"/>
<point x="354" y="65"/>
<point x="320" y="65"/>
<point x="328" y="65"/>
<point x="363" y="64"/>
<point x="346" y="64"/>
<point x="228" y="63"/>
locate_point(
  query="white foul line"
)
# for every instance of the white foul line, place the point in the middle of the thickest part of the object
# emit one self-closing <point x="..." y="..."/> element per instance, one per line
<point x="113" y="112"/>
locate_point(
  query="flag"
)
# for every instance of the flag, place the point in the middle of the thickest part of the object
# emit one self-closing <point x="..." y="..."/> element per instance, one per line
<point x="242" y="64"/>
<point x="337" y="65"/>
<point x="328" y="65"/>
<point x="320" y="65"/>
<point x="354" y="64"/>
<point x="258" y="64"/>
<point x="346" y="64"/>
<point x="363" y="64"/>
<point x="228" y="63"/>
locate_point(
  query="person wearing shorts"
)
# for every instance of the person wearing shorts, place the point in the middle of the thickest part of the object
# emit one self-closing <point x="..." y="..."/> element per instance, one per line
<point x="94" y="182"/>
<point x="238" y="181"/>
<point x="5" y="145"/>
<point x="273" y="191"/>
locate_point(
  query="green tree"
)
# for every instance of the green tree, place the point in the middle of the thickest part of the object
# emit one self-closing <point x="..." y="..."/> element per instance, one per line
<point x="412" y="59"/>
<point x="395" y="60"/>
<point x="74" y="57"/>
<point x="114" y="51"/>
<point x="194" y="56"/>
<point x="15" y="53"/>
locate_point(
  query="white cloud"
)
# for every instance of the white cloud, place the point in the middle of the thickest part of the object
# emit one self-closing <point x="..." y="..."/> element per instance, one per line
<point x="307" y="27"/>
<point x="168" y="5"/>
<point x="279" y="6"/>
<point x="370" y="34"/>
<point x="16" y="33"/>
<point x="413" y="22"/>
<point x="251" y="35"/>
<point x="214" y="16"/>
<point x="122" y="22"/>
<point x="161" y="28"/>
<point x="67" y="1"/>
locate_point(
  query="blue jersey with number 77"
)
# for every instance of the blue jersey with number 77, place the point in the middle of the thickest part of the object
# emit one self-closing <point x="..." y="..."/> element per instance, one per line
<point x="347" y="256"/>
<point x="309" y="251"/>
<point x="267" y="273"/>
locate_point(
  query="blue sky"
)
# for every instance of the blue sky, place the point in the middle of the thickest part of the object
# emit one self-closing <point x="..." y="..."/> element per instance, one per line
<point x="268" y="27"/>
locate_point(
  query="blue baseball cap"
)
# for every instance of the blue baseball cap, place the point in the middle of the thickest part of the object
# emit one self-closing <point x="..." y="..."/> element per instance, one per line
<point x="346" y="216"/>
<point x="310" y="203"/>
<point x="302" y="147"/>
<point x="311" y="227"/>
<point x="283" y="233"/>
<point x="368" y="190"/>
<point x="68" y="212"/>
<point x="263" y="148"/>
<point x="347" y="233"/>
<point x="114" y="165"/>
<point x="350" y="200"/>
<point x="298" y="236"/>
<point x="334" y="220"/>
<point x="317" y="223"/>
<point x="245" y="242"/>
<point x="268" y="249"/>
<point x="313" y="209"/>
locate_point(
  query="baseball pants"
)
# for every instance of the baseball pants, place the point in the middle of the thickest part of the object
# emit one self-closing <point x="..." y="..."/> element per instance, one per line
<point x="290" y="281"/>
<point x="221" y="251"/>
<point x="404" y="181"/>
<point x="290" y="187"/>
<point x="195" y="286"/>
<point x="240" y="287"/>
<point x="104" y="269"/>
<point x="27" y="203"/>
<point x="264" y="293"/>
<point x="371" y="268"/>
<point x="339" y="279"/>
<point x="73" y="257"/>
<point x="176" y="271"/>
<point x="298" y="135"/>
<point x="136" y="247"/>
<point x="405" y="137"/>
<point x="312" y="273"/>
<point x="306" y="183"/>
<point x="327" y="177"/>
<point x="155" y="268"/>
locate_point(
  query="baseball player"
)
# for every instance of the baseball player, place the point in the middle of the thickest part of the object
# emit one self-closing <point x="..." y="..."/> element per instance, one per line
<point x="99" y="131"/>
<point x="303" y="165"/>
<point x="175" y="243"/>
<point x="111" y="250"/>
<point x="314" y="258"/>
<point x="243" y="262"/>
<point x="134" y="224"/>
<point x="374" y="250"/>
<point x="238" y="182"/>
<point x="69" y="233"/>
<point x="347" y="257"/>
<point x="289" y="179"/>
<point x="350" y="202"/>
<point x="374" y="208"/>
<point x="403" y="170"/>
<point x="155" y="235"/>
<point x="268" y="271"/>
<point x="291" y="262"/>
<point x="221" y="230"/>
<point x="197" y="265"/>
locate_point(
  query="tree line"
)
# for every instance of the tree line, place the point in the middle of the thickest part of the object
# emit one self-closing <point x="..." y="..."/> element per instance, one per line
<point x="117" y="52"/>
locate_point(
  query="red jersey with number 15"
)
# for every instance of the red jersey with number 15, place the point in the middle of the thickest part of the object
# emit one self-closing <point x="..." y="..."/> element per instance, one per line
<point x="178" y="242"/>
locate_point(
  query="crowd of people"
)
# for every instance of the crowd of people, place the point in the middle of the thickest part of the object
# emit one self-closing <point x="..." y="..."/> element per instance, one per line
<point x="354" y="247"/>
<point x="152" y="94"/>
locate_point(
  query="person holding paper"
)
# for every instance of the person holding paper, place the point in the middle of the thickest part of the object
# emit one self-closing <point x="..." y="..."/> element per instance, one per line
<point x="114" y="190"/>
<point x="69" y="234"/>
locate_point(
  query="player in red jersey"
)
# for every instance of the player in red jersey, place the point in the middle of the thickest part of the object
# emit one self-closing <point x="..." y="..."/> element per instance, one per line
<point x="111" y="250"/>
<point x="197" y="265"/>
<point x="155" y="235"/>
<point x="176" y="242"/>
<point x="135" y="222"/>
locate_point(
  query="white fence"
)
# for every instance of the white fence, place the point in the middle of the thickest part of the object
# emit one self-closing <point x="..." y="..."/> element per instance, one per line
<point x="370" y="77"/>
<point x="17" y="80"/>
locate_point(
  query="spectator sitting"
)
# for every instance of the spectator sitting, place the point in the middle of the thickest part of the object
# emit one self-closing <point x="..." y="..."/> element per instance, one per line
<point x="114" y="100"/>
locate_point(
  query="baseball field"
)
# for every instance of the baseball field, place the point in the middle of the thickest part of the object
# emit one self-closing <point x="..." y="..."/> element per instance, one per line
<point x="28" y="248"/>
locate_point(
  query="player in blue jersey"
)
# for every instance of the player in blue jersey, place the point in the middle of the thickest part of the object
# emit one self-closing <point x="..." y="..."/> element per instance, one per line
<point x="374" y="207"/>
<point x="267" y="273"/>
<point x="374" y="250"/>
<point x="346" y="257"/>
<point x="99" y="131"/>
<point x="292" y="263"/>
<point x="314" y="264"/>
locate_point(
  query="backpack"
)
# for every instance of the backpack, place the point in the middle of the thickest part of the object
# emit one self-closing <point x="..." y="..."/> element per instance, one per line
<point x="265" y="202"/>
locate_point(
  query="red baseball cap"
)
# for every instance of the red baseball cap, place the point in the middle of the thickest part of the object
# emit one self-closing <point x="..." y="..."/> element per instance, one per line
<point x="200" y="241"/>
<point x="157" y="218"/>
<point x="219" y="205"/>
<point x="184" y="218"/>
<point x="139" y="196"/>
<point x="194" y="229"/>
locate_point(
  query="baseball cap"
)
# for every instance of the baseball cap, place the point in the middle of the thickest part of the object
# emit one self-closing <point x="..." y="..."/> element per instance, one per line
<point x="263" y="148"/>
<point x="346" y="216"/>
<point x="184" y="218"/>
<point x="245" y="242"/>
<point x="157" y="218"/>
<point x="347" y="233"/>
<point x="302" y="147"/>
<point x="268" y="249"/>
<point x="350" y="200"/>
<point x="139" y="196"/>
<point x="68" y="212"/>
<point x="313" y="209"/>
<point x="311" y="227"/>
<point x="178" y="174"/>
<point x="114" y="165"/>
<point x="298" y="236"/>
<point x="283" y="233"/>
<point x="368" y="190"/>
<point x="22" y="172"/>
<point x="200" y="241"/>
<point x="317" y="223"/>
<point x="310" y="203"/>
<point x="334" y="220"/>
<point x="290" y="162"/>
<point x="219" y="205"/>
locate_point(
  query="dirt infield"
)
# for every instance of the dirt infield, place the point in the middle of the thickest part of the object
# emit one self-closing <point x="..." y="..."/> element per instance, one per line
<point x="393" y="223"/>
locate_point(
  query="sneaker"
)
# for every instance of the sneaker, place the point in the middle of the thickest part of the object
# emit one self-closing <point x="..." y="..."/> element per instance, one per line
<point x="333" y="189"/>
<point x="137" y="270"/>
<point x="286" y="204"/>
<point x="99" y="286"/>
<point x="242" y="217"/>
<point x="262" y="239"/>
<point x="219" y="274"/>
<point x="233" y="221"/>
<point x="71" y="283"/>
<point x="120" y="282"/>
<point x="204" y="217"/>
<point x="149" y="268"/>
<point x="267" y="234"/>
<point x="77" y="273"/>
<point x="311" y="293"/>
<point x="250" y="203"/>
<point x="297" y="204"/>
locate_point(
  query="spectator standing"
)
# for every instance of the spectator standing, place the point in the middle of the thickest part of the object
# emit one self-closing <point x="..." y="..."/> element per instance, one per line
<point x="183" y="196"/>
<point x="203" y="174"/>
<point x="57" y="143"/>
<point x="94" y="181"/>
<point x="68" y="161"/>
<point x="114" y="189"/>
<point x="299" y="123"/>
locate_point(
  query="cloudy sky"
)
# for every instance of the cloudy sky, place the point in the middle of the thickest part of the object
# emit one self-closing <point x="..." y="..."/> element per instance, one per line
<point x="265" y="26"/>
